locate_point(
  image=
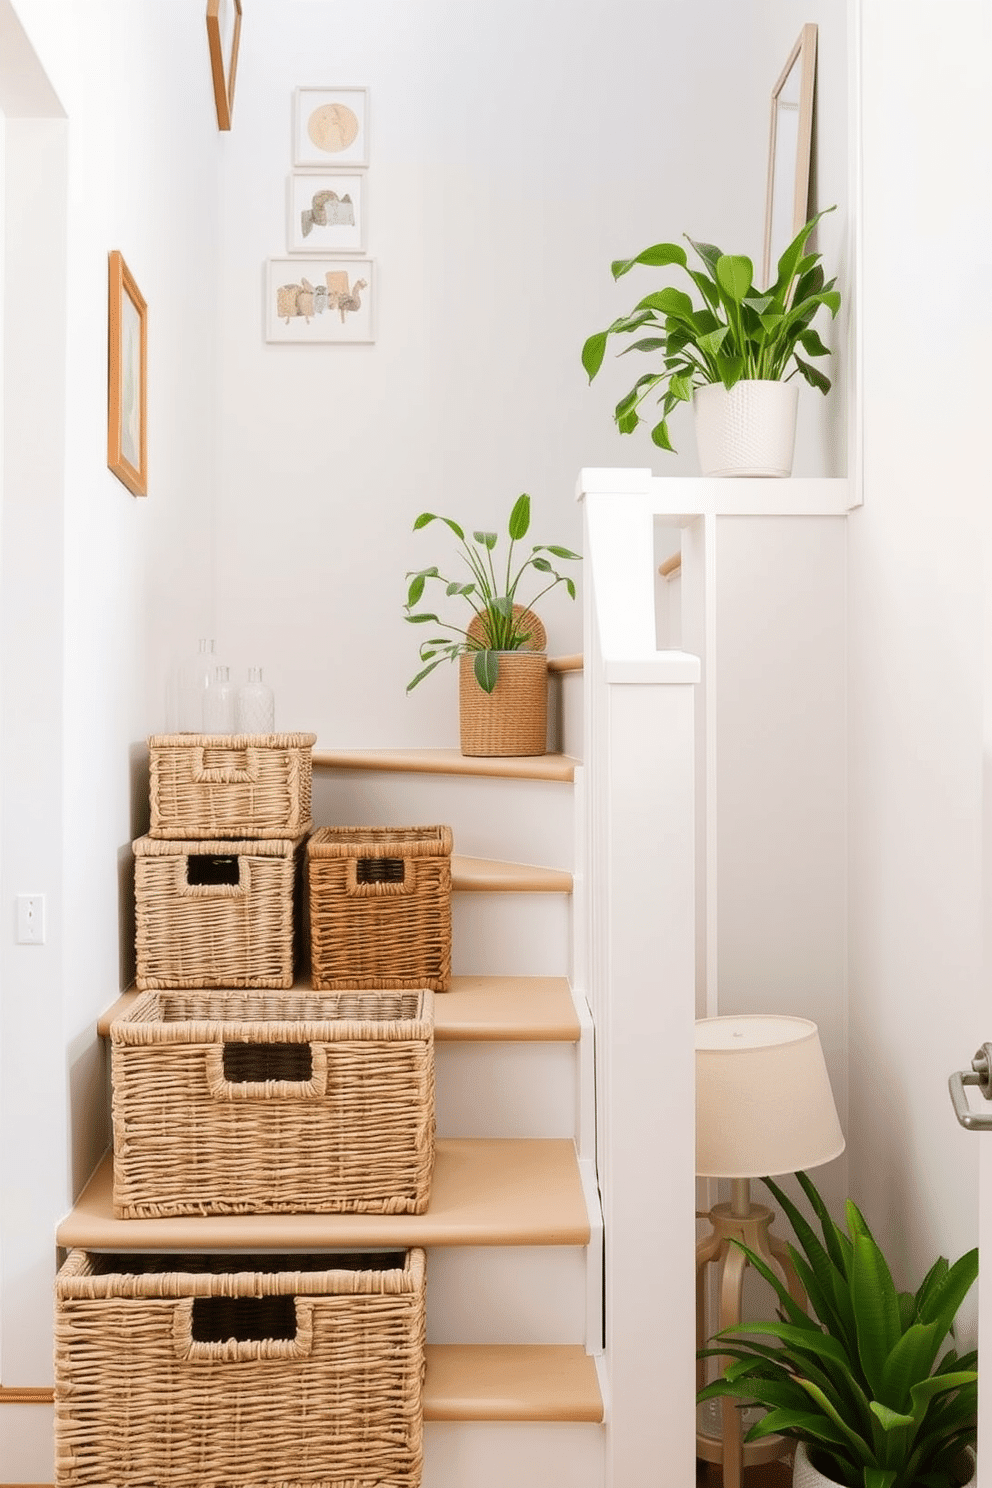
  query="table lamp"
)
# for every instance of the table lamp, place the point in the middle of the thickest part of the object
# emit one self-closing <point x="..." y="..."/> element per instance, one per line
<point x="763" y="1107"/>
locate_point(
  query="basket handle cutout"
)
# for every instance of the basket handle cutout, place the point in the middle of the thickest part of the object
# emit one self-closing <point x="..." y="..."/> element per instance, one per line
<point x="241" y="1071"/>
<point x="203" y="772"/>
<point x="375" y="878"/>
<point x="205" y="870"/>
<point x="206" y="1330"/>
<point x="380" y="870"/>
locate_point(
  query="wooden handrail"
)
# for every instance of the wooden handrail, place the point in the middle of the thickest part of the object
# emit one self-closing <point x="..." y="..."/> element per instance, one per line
<point x="25" y="1395"/>
<point x="671" y="566"/>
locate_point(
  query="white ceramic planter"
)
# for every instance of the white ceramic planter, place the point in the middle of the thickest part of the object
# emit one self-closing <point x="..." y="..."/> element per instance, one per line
<point x="748" y="430"/>
<point x="805" y="1475"/>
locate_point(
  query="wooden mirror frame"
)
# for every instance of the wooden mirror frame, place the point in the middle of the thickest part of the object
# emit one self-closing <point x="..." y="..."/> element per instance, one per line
<point x="223" y="69"/>
<point x="802" y="58"/>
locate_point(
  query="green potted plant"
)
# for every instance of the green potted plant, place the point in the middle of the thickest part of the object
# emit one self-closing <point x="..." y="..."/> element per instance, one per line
<point x="733" y="356"/>
<point x="860" y="1383"/>
<point x="503" y="696"/>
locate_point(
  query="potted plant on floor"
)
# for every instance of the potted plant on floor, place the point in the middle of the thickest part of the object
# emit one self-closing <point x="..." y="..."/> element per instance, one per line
<point x="733" y="356"/>
<point x="861" y="1384"/>
<point x="503" y="692"/>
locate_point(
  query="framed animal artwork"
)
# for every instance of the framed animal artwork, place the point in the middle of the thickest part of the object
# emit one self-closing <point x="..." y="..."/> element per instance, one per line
<point x="329" y="300"/>
<point x="327" y="212"/>
<point x="330" y="127"/>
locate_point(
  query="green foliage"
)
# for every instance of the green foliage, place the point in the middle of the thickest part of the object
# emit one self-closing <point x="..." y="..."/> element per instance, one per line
<point x="738" y="331"/>
<point x="862" y="1379"/>
<point x="491" y="598"/>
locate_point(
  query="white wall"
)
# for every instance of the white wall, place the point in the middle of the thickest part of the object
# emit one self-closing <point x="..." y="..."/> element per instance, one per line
<point x="515" y="150"/>
<point x="122" y="580"/>
<point x="918" y="989"/>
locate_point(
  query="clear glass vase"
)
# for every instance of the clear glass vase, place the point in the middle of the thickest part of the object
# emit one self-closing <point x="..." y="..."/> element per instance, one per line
<point x="255" y="711"/>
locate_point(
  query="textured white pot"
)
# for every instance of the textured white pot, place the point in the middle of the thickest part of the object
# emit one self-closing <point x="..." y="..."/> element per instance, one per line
<point x="748" y="430"/>
<point x="805" y="1475"/>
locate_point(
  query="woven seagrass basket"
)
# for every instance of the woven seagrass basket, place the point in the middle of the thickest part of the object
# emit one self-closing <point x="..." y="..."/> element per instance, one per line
<point x="267" y="1102"/>
<point x="207" y="1370"/>
<point x="513" y="718"/>
<point x="216" y="913"/>
<point x="380" y="907"/>
<point x="230" y="785"/>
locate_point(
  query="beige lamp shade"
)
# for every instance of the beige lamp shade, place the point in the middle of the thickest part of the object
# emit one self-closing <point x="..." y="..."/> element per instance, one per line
<point x="763" y="1099"/>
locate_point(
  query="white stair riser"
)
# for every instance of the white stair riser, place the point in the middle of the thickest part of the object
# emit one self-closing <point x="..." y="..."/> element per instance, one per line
<point x="505" y="1090"/>
<point x="515" y="1454"/>
<point x="26" y="1443"/>
<point x="565" y="713"/>
<point x="518" y="821"/>
<point x="506" y="1294"/>
<point x="511" y="934"/>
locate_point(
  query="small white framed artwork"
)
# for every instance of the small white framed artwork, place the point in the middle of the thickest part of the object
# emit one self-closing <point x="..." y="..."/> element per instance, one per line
<point x="329" y="300"/>
<point x="330" y="127"/>
<point x="326" y="212"/>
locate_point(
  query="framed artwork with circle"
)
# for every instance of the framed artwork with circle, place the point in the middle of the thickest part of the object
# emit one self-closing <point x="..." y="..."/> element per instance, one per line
<point x="330" y="127"/>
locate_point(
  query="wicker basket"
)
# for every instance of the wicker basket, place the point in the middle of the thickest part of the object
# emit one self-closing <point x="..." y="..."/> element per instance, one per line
<point x="252" y="1102"/>
<point x="222" y="785"/>
<point x="210" y="1370"/>
<point x="380" y="907"/>
<point x="217" y="913"/>
<point x="513" y="718"/>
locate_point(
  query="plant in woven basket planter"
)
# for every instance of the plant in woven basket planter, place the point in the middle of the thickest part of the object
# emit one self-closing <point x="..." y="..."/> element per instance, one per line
<point x="503" y="671"/>
<point x="862" y="1383"/>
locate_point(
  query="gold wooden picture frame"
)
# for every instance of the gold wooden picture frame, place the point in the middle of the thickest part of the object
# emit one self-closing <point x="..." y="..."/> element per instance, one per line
<point x="223" y="35"/>
<point x="127" y="403"/>
<point x="790" y="149"/>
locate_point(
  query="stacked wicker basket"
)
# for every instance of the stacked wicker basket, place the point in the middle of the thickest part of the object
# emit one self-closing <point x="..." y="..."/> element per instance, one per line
<point x="236" y="1091"/>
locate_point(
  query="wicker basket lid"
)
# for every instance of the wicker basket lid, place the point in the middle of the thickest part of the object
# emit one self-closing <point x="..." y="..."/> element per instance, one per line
<point x="537" y="640"/>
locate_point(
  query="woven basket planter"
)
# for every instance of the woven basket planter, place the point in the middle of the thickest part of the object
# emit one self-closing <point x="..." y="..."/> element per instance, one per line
<point x="203" y="1371"/>
<point x="242" y="785"/>
<point x="380" y="907"/>
<point x="217" y="913"/>
<point x="513" y="718"/>
<point x="266" y="1100"/>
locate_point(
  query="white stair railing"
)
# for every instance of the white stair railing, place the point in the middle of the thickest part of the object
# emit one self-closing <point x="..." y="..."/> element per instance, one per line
<point x="636" y="955"/>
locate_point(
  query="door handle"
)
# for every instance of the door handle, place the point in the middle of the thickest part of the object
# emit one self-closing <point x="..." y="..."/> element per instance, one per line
<point x="980" y="1074"/>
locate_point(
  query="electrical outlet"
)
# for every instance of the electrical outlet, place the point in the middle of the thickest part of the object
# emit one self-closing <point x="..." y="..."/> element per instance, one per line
<point x="30" y="919"/>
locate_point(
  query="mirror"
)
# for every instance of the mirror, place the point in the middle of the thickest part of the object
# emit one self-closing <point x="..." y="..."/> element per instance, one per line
<point x="789" y="149"/>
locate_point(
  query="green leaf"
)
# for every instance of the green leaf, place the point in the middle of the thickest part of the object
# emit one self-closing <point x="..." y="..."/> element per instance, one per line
<point x="708" y="253"/>
<point x="890" y="1419"/>
<point x="649" y="343"/>
<point x="876" y="1305"/>
<point x="485" y="539"/>
<point x="570" y="586"/>
<point x="735" y="275"/>
<point x="812" y="374"/>
<point x="520" y="517"/>
<point x="628" y="422"/>
<point x="669" y="302"/>
<point x="713" y="340"/>
<point x="425" y="673"/>
<point x="486" y="667"/>
<point x="812" y="344"/>
<point x="910" y="1360"/>
<point x="426" y="517"/>
<point x="660" y="436"/>
<point x="558" y="551"/>
<point x="542" y="565"/>
<point x="657" y="256"/>
<point x="879" y="1477"/>
<point x="593" y="353"/>
<point x="421" y="619"/>
<point x="681" y="388"/>
<point x="945" y="1298"/>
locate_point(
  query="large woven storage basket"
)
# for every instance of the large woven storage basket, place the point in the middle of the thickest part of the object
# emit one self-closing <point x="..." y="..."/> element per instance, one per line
<point x="380" y="907"/>
<point x="253" y="1102"/>
<point x="241" y="785"/>
<point x="216" y="913"/>
<point x="513" y="718"/>
<point x="210" y="1370"/>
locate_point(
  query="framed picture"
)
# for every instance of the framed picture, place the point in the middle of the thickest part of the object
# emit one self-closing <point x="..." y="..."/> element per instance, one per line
<point x="326" y="212"/>
<point x="127" y="404"/>
<point x="319" y="300"/>
<point x="224" y="34"/>
<point x="789" y="150"/>
<point x="331" y="126"/>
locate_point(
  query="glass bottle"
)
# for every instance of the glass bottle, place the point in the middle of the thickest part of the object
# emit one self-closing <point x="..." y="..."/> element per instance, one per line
<point x="194" y="678"/>
<point x="218" y="703"/>
<point x="255" y="712"/>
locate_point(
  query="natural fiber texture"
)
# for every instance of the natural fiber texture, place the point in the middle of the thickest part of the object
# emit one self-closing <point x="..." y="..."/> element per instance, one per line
<point x="203" y="1123"/>
<point x="216" y="934"/>
<point x="513" y="718"/>
<point x="240" y="785"/>
<point x="141" y="1399"/>
<point x="380" y="907"/>
<point x="537" y="638"/>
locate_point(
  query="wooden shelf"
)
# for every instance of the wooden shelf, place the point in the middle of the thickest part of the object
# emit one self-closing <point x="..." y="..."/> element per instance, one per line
<point x="448" y="762"/>
<point x="485" y="876"/>
<point x="491" y="1008"/>
<point x="511" y="1382"/>
<point x="486" y="1191"/>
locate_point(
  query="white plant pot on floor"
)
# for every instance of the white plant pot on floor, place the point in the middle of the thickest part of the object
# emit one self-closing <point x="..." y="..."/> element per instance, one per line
<point x="805" y="1475"/>
<point x="748" y="430"/>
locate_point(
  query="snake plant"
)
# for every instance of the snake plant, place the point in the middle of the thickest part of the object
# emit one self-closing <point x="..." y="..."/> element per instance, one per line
<point x="862" y="1379"/>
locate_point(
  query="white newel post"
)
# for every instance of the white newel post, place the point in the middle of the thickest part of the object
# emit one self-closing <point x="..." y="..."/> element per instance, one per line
<point x="639" y="866"/>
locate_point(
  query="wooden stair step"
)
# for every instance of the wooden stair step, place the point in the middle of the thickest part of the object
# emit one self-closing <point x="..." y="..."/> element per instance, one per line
<point x="490" y="1008"/>
<point x="485" y="1191"/>
<point x="486" y="876"/>
<point x="511" y="1382"/>
<point x="559" y="767"/>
